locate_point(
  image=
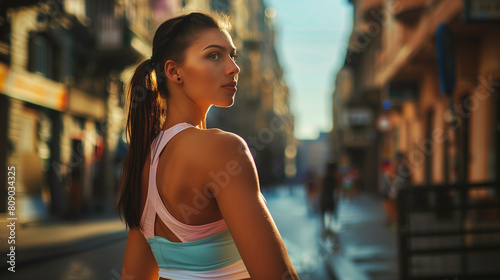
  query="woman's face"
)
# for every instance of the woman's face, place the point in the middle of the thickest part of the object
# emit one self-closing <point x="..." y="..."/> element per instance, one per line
<point x="209" y="72"/>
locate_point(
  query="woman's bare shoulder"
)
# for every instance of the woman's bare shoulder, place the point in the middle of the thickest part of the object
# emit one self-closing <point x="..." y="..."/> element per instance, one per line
<point x="216" y="143"/>
<point x="216" y="138"/>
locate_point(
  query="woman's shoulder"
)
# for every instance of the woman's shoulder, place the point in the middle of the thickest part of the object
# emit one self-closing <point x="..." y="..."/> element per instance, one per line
<point x="215" y="138"/>
<point x="214" y="149"/>
<point x="213" y="143"/>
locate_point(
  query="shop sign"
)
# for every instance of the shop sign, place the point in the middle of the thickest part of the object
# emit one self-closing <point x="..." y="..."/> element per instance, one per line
<point x="4" y="69"/>
<point x="36" y="89"/>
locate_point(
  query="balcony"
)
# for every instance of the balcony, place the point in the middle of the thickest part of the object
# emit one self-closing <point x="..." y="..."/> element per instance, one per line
<point x="409" y="12"/>
<point x="356" y="117"/>
<point x="116" y="44"/>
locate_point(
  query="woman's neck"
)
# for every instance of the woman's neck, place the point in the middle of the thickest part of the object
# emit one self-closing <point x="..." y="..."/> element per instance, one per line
<point x="188" y="114"/>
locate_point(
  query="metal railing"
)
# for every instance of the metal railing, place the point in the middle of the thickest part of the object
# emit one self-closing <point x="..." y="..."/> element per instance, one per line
<point x="449" y="232"/>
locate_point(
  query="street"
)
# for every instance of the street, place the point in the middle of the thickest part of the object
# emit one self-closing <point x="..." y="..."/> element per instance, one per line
<point x="299" y="231"/>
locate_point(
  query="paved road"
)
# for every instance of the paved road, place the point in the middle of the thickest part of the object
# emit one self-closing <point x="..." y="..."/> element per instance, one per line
<point x="299" y="231"/>
<point x="367" y="245"/>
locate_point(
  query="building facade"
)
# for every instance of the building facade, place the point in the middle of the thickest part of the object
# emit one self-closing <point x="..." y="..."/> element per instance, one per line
<point x="62" y="113"/>
<point x="392" y="61"/>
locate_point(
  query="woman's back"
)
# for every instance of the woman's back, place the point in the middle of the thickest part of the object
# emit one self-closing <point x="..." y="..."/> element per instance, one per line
<point x="180" y="175"/>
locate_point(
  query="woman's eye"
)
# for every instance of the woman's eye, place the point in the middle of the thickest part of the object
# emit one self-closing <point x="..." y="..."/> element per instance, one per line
<point x="234" y="57"/>
<point x="214" y="56"/>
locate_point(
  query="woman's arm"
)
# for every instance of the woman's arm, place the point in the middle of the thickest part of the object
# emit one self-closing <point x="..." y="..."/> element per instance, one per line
<point x="138" y="262"/>
<point x="234" y="182"/>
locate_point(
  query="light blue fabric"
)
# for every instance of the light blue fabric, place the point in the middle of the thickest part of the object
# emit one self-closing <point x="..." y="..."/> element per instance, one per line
<point x="209" y="253"/>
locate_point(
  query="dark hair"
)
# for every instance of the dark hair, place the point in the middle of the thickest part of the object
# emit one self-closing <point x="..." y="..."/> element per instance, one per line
<point x="146" y="95"/>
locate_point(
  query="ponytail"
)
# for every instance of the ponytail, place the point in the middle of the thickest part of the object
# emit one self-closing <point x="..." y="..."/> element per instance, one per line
<point x="144" y="120"/>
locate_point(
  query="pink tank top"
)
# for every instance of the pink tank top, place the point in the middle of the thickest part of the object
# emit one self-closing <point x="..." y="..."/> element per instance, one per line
<point x="154" y="204"/>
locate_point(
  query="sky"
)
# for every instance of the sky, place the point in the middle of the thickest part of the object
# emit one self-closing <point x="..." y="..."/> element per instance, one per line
<point x="311" y="42"/>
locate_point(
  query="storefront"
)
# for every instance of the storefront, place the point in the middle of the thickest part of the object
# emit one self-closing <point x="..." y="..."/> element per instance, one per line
<point x="33" y="105"/>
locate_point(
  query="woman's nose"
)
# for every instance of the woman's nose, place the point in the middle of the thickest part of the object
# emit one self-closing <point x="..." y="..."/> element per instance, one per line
<point x="233" y="68"/>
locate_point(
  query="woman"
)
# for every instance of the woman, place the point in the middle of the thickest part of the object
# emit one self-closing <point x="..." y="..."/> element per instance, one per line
<point x="193" y="207"/>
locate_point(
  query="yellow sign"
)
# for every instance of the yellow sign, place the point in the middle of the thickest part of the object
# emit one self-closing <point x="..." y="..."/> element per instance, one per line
<point x="4" y="69"/>
<point x="35" y="89"/>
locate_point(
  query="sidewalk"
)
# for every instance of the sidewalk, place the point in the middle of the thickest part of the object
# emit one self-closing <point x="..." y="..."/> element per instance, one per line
<point x="52" y="238"/>
<point x="367" y="246"/>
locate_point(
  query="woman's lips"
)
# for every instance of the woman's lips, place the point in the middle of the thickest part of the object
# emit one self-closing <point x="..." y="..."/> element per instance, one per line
<point x="230" y="88"/>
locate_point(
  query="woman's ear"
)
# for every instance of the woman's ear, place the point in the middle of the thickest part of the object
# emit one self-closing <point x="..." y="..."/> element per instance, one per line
<point x="172" y="72"/>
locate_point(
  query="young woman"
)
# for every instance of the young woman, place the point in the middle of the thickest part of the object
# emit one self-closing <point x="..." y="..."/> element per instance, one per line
<point x="190" y="195"/>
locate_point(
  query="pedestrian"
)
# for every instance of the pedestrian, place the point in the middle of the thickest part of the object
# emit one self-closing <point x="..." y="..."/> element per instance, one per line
<point x="350" y="183"/>
<point x="328" y="197"/>
<point x="391" y="186"/>
<point x="403" y="173"/>
<point x="311" y="187"/>
<point x="193" y="208"/>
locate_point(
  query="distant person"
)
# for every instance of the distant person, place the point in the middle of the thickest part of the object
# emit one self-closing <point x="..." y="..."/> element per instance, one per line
<point x="190" y="195"/>
<point x="328" y="197"/>
<point x="350" y="183"/>
<point x="311" y="187"/>
<point x="391" y="186"/>
<point x="403" y="173"/>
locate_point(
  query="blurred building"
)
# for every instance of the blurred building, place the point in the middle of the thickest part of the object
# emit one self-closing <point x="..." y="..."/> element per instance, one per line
<point x="389" y="97"/>
<point x="62" y="115"/>
<point x="353" y="137"/>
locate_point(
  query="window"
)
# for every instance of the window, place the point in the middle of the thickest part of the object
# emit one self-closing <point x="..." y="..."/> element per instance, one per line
<point x="43" y="58"/>
<point x="41" y="55"/>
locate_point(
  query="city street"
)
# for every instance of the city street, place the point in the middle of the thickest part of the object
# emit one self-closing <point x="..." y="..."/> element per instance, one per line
<point x="300" y="233"/>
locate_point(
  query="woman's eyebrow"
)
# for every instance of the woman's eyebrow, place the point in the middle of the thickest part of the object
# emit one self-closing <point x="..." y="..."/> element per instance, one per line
<point x="219" y="47"/>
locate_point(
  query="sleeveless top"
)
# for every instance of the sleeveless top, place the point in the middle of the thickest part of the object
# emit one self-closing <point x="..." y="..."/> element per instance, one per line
<point x="206" y="251"/>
